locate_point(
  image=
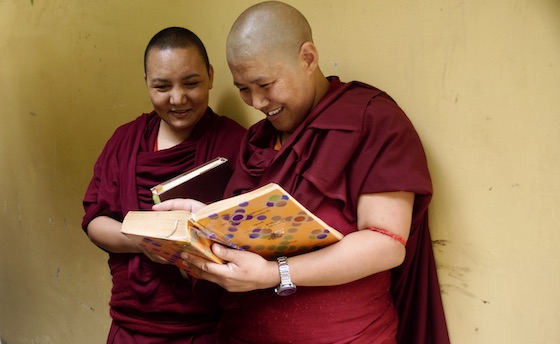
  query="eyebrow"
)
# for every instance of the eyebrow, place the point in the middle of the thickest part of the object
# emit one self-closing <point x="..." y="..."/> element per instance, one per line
<point x="189" y="76"/>
<point x="257" y="81"/>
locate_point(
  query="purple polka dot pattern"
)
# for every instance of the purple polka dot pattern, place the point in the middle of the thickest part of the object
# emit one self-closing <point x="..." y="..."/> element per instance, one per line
<point x="271" y="225"/>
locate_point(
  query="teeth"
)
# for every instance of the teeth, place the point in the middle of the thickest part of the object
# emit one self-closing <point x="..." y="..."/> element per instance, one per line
<point x="272" y="113"/>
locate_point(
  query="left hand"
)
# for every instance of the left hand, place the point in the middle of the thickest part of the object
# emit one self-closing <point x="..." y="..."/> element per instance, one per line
<point x="244" y="270"/>
<point x="191" y="205"/>
<point x="152" y="256"/>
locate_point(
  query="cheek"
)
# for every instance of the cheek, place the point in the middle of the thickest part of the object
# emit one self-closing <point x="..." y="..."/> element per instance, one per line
<point x="158" y="99"/>
<point x="283" y="94"/>
<point x="198" y="96"/>
<point x="246" y="97"/>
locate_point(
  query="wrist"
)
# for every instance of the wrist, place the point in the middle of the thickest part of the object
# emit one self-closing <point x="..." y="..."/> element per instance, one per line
<point x="286" y="286"/>
<point x="272" y="278"/>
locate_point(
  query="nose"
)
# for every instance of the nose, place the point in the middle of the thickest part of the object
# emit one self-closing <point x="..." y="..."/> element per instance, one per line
<point x="258" y="100"/>
<point x="177" y="96"/>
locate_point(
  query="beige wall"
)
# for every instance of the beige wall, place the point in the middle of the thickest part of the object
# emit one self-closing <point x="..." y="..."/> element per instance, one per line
<point x="479" y="79"/>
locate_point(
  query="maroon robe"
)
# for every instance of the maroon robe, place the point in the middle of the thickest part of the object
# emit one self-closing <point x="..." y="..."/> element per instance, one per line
<point x="355" y="141"/>
<point x="147" y="297"/>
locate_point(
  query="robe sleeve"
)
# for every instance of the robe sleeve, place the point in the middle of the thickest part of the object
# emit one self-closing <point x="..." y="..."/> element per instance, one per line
<point x="102" y="195"/>
<point x="393" y="152"/>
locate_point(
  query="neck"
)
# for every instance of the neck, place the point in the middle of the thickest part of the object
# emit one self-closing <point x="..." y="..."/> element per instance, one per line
<point x="283" y="136"/>
<point x="323" y="85"/>
<point x="167" y="137"/>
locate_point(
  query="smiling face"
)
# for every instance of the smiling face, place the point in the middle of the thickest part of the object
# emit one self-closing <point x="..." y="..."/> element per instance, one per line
<point x="179" y="85"/>
<point x="274" y="63"/>
<point x="284" y="92"/>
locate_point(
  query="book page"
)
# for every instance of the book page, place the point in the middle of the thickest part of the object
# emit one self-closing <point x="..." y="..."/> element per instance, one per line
<point x="159" y="224"/>
<point x="166" y="233"/>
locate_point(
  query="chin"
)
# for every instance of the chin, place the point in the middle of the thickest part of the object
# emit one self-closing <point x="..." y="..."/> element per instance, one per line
<point x="277" y="127"/>
<point x="288" y="127"/>
<point x="185" y="123"/>
<point x="183" y="127"/>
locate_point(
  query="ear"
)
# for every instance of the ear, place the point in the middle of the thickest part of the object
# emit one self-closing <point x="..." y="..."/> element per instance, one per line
<point x="309" y="55"/>
<point x="210" y="76"/>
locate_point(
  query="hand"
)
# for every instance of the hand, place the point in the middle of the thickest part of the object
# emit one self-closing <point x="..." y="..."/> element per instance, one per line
<point x="245" y="271"/>
<point x="153" y="257"/>
<point x="179" y="204"/>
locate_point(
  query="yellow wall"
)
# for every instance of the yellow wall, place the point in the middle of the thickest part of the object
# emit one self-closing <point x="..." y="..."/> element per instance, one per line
<point x="479" y="79"/>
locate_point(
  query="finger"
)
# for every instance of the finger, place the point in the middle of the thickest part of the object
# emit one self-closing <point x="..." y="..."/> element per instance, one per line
<point x="225" y="253"/>
<point x="159" y="259"/>
<point x="194" y="270"/>
<point x="154" y="257"/>
<point x="179" y="204"/>
<point x="196" y="262"/>
<point x="172" y="204"/>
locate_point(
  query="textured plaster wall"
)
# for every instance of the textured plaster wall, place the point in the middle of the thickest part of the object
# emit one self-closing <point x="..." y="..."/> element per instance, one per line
<point x="479" y="79"/>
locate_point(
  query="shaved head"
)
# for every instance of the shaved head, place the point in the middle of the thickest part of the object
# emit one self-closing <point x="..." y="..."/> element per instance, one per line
<point x="275" y="64"/>
<point x="272" y="28"/>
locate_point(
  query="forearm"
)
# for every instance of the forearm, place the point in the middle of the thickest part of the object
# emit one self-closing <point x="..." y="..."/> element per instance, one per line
<point x="359" y="254"/>
<point x="105" y="232"/>
<point x="365" y="252"/>
<point x="356" y="256"/>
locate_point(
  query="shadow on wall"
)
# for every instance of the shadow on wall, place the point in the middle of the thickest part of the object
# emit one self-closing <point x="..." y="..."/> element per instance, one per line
<point x="230" y="104"/>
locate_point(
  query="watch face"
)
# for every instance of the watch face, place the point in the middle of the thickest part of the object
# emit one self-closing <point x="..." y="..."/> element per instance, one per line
<point x="285" y="291"/>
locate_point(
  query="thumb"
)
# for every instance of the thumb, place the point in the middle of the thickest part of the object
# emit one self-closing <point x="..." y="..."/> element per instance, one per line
<point x="225" y="253"/>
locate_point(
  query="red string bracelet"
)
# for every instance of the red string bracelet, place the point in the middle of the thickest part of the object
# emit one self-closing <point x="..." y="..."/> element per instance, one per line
<point x="393" y="236"/>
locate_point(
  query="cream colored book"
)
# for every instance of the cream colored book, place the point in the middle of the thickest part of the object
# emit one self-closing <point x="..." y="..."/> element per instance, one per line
<point x="167" y="234"/>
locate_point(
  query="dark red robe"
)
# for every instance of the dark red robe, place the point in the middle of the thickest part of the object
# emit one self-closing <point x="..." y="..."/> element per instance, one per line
<point x="355" y="141"/>
<point x="147" y="297"/>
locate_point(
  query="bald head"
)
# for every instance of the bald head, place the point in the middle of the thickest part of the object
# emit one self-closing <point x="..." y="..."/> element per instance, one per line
<point x="271" y="27"/>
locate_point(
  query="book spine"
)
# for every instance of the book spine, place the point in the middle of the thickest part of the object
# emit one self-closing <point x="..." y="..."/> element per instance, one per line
<point x="156" y="198"/>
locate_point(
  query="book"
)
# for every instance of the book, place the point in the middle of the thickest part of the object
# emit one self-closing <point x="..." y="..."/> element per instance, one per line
<point x="267" y="221"/>
<point x="167" y="234"/>
<point x="205" y="183"/>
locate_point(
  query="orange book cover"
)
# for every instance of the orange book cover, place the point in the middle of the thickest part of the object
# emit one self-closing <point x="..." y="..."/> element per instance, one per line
<point x="267" y="221"/>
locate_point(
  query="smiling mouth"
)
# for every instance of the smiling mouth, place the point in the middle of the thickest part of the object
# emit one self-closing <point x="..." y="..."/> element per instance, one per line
<point x="274" y="112"/>
<point x="180" y="112"/>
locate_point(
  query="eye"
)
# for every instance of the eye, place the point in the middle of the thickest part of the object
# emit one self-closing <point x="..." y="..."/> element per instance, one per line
<point x="192" y="84"/>
<point x="161" y="88"/>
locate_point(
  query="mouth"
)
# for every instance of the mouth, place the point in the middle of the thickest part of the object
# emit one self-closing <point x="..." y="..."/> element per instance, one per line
<point x="180" y="112"/>
<point x="274" y="112"/>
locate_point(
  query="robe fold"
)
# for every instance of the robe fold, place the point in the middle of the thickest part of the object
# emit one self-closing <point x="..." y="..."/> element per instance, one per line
<point x="355" y="141"/>
<point x="147" y="297"/>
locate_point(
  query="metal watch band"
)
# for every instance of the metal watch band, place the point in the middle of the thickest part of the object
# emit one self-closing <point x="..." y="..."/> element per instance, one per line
<point x="286" y="286"/>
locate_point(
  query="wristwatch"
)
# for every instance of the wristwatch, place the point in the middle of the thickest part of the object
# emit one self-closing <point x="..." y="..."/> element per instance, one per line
<point x="286" y="287"/>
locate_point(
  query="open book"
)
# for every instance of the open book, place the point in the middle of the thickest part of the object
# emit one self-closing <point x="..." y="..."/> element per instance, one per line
<point x="205" y="183"/>
<point x="267" y="221"/>
<point x="167" y="234"/>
